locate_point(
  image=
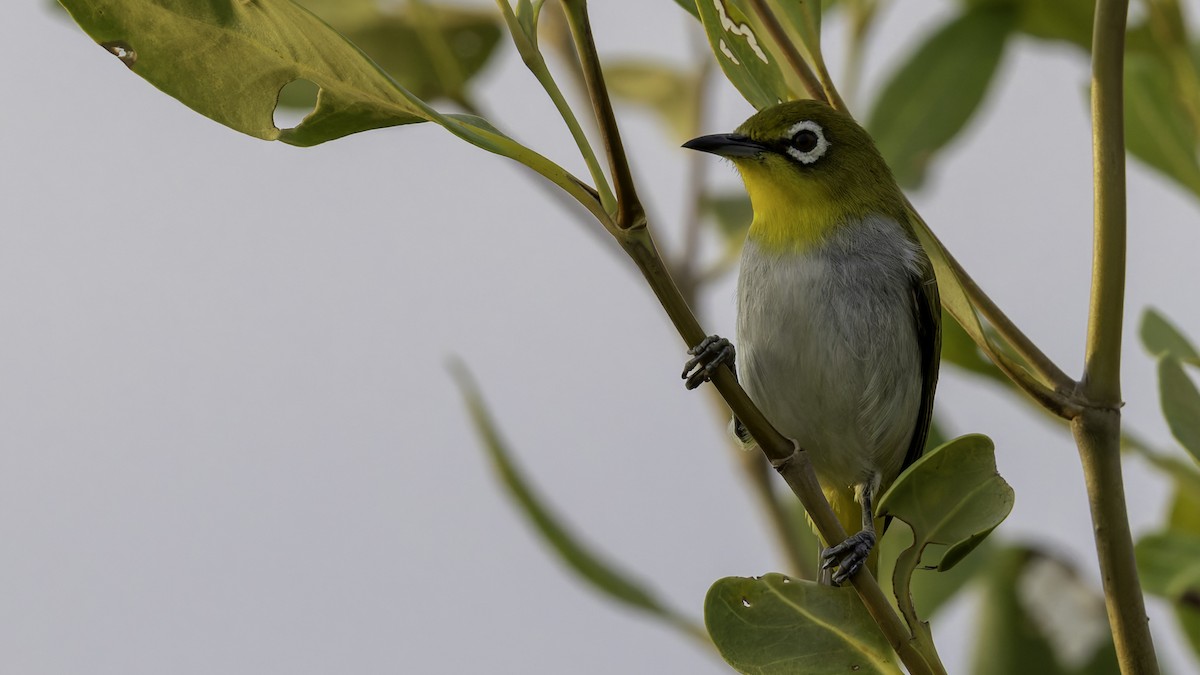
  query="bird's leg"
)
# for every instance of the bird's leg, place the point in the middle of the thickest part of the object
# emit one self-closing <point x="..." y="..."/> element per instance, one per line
<point x="850" y="555"/>
<point x="706" y="358"/>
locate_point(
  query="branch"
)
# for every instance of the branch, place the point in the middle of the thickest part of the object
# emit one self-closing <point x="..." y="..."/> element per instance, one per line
<point x="1098" y="430"/>
<point x="629" y="209"/>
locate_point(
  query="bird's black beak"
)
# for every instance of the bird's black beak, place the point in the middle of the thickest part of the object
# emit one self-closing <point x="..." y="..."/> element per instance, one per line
<point x="727" y="145"/>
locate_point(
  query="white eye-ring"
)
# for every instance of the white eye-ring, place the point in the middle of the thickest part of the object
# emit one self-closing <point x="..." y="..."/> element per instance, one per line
<point x="806" y="141"/>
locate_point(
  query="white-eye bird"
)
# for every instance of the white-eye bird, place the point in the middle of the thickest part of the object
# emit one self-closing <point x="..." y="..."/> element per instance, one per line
<point x="838" y="321"/>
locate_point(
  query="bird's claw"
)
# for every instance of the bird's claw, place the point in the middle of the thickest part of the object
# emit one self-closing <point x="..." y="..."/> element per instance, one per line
<point x="848" y="557"/>
<point x="707" y="357"/>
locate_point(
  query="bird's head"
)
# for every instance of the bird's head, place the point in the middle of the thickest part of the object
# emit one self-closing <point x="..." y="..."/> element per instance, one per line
<point x="809" y="169"/>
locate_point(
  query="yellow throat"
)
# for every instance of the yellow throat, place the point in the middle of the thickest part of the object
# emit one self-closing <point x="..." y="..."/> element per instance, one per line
<point x="791" y="215"/>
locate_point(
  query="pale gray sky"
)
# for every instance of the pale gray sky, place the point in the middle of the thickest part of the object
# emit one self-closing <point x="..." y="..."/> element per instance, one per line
<point x="229" y="443"/>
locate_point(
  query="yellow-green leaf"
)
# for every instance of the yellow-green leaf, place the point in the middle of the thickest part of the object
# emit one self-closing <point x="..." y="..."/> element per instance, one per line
<point x="775" y="625"/>
<point x="668" y="91"/>
<point x="229" y="60"/>
<point x="743" y="54"/>
<point x="933" y="95"/>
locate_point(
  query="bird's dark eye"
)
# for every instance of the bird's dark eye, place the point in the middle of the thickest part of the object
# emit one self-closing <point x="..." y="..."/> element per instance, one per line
<point x="806" y="140"/>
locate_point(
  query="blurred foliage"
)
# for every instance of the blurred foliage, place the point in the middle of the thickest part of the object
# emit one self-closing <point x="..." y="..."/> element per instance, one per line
<point x="671" y="93"/>
<point x="577" y="556"/>
<point x="1039" y="617"/>
<point x="936" y="92"/>
<point x="432" y="50"/>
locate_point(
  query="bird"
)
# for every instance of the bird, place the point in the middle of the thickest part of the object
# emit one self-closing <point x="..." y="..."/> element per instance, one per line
<point x="838" y="314"/>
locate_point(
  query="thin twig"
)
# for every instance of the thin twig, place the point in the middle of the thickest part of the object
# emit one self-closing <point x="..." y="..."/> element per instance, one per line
<point x="630" y="212"/>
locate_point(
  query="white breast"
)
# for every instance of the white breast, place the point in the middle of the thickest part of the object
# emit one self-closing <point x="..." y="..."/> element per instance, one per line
<point x="827" y="347"/>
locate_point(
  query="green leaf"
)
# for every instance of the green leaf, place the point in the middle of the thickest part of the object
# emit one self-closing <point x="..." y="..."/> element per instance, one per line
<point x="1180" y="403"/>
<point x="1161" y="337"/>
<point x="1158" y="130"/>
<point x="432" y="54"/>
<point x="930" y="99"/>
<point x="1169" y="566"/>
<point x="951" y="496"/>
<point x="931" y="590"/>
<point x="743" y="54"/>
<point x="777" y="625"/>
<point x="1063" y="20"/>
<point x="228" y="60"/>
<point x="668" y="91"/>
<point x="579" y="558"/>
<point x="1037" y="616"/>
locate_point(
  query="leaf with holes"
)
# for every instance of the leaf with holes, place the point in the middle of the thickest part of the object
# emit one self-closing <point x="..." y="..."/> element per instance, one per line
<point x="774" y="625"/>
<point x="743" y="54"/>
<point x="930" y="99"/>
<point x="1180" y="403"/>
<point x="228" y="61"/>
<point x="1161" y="337"/>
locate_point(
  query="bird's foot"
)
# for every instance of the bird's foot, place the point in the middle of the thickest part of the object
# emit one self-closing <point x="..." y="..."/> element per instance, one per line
<point x="707" y="357"/>
<point x="848" y="557"/>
